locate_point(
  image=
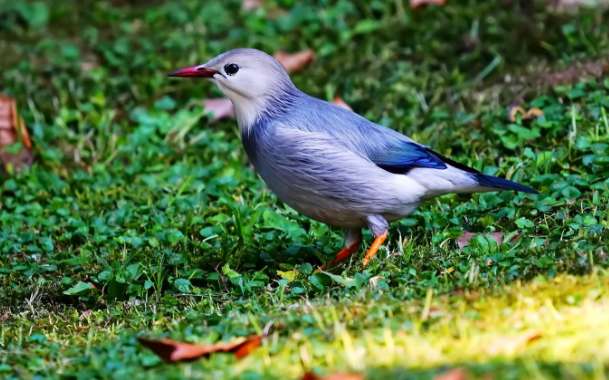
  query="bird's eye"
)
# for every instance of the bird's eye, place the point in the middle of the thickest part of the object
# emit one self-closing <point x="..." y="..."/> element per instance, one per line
<point x="231" y="68"/>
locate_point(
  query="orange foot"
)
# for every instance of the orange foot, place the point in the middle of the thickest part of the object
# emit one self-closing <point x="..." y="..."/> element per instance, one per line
<point x="378" y="241"/>
<point x="342" y="255"/>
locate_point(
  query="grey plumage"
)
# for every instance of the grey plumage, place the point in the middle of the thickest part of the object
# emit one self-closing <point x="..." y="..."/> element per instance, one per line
<point x="330" y="163"/>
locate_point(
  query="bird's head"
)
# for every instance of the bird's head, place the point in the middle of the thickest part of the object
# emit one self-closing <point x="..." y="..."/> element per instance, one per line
<point x="250" y="78"/>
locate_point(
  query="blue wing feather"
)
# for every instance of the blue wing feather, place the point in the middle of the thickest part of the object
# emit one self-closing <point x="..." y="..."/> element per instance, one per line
<point x="406" y="155"/>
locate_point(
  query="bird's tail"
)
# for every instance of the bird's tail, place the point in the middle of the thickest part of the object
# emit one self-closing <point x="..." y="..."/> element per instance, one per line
<point x="461" y="178"/>
<point x="496" y="183"/>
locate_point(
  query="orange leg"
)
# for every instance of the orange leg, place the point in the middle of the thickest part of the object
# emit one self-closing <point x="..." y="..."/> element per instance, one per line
<point x="353" y="239"/>
<point x="343" y="254"/>
<point x="371" y="252"/>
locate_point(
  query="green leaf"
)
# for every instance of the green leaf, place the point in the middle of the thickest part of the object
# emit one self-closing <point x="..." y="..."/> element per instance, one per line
<point x="524" y="223"/>
<point x="347" y="282"/>
<point x="366" y="26"/>
<point x="320" y="280"/>
<point x="80" y="288"/>
<point x="182" y="285"/>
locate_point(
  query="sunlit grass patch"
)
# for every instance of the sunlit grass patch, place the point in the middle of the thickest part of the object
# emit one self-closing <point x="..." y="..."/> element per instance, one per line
<point x="560" y="320"/>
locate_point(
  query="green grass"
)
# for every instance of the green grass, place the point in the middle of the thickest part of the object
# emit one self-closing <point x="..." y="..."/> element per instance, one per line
<point x="142" y="217"/>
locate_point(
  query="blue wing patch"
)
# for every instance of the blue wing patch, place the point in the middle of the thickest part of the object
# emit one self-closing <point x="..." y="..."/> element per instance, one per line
<point x="408" y="155"/>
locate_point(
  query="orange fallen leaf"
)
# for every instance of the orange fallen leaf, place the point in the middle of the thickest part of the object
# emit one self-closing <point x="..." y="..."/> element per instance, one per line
<point x="220" y="108"/>
<point x="453" y="374"/>
<point x="335" y="376"/>
<point x="172" y="351"/>
<point x="466" y="237"/>
<point x="296" y="61"/>
<point x="514" y="111"/>
<point x="531" y="114"/>
<point x="248" y="346"/>
<point x="341" y="103"/>
<point x="414" y="4"/>
<point x="13" y="130"/>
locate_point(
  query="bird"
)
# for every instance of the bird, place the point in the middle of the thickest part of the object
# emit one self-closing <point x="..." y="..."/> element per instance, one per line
<point x="327" y="162"/>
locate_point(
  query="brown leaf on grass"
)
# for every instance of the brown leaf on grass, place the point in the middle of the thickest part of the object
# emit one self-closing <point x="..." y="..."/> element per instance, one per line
<point x="514" y="111"/>
<point x="13" y="130"/>
<point x="220" y="108"/>
<point x="514" y="89"/>
<point x="453" y="374"/>
<point x="250" y="5"/>
<point x="577" y="71"/>
<point x="89" y="62"/>
<point x="248" y="346"/>
<point x="341" y="103"/>
<point x="172" y="351"/>
<point x="414" y="4"/>
<point x="508" y="345"/>
<point x="464" y="240"/>
<point x="296" y="61"/>
<point x="574" y="5"/>
<point x="335" y="376"/>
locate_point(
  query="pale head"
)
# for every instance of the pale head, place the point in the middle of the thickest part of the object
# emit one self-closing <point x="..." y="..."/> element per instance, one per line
<point x="250" y="78"/>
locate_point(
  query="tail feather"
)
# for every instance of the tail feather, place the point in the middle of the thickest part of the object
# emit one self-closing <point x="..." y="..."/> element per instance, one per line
<point x="485" y="181"/>
<point x="492" y="182"/>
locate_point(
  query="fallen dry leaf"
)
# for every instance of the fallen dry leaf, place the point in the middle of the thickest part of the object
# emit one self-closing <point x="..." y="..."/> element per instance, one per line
<point x="220" y="108"/>
<point x="12" y="130"/>
<point x="341" y="103"/>
<point x="414" y="4"/>
<point x="87" y="66"/>
<point x="577" y="71"/>
<point x="574" y="5"/>
<point x="453" y="374"/>
<point x="296" y="61"/>
<point x="85" y="314"/>
<point x="335" y="376"/>
<point x="374" y="281"/>
<point x="466" y="237"/>
<point x="172" y="351"/>
<point x="250" y="5"/>
<point x="531" y="114"/>
<point x="508" y="345"/>
<point x="541" y="77"/>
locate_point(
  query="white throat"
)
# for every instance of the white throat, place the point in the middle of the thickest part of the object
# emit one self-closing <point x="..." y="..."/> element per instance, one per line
<point x="246" y="109"/>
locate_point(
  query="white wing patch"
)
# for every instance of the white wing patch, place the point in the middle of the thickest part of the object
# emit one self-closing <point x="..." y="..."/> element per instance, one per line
<point x="442" y="181"/>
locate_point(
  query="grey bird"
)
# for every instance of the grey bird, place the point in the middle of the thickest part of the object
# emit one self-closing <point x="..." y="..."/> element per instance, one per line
<point x="330" y="163"/>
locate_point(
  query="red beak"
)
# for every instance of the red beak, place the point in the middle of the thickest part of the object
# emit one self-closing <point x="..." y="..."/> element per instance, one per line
<point x="193" y="72"/>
